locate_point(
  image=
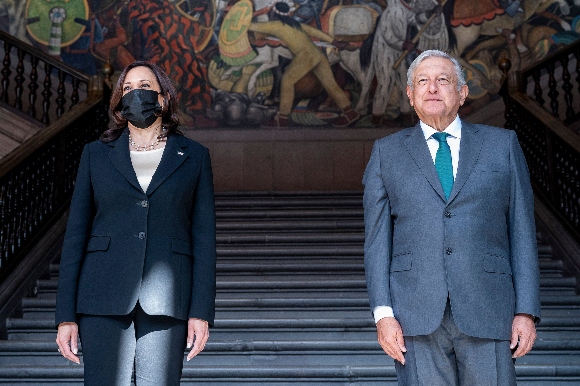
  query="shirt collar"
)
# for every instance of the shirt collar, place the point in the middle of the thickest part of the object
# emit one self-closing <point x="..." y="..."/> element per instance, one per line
<point x="454" y="129"/>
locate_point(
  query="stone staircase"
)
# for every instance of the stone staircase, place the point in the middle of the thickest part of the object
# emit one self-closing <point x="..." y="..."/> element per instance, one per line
<point x="292" y="307"/>
<point x="15" y="128"/>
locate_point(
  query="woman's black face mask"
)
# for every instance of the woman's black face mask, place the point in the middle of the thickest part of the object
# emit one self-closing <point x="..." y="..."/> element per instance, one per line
<point x="140" y="107"/>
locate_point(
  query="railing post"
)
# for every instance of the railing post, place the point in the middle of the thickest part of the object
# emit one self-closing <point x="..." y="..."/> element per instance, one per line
<point x="59" y="170"/>
<point x="19" y="79"/>
<point x="553" y="89"/>
<point x="36" y="179"/>
<point x="567" y="87"/>
<point x="504" y="65"/>
<point x="33" y="86"/>
<point x="6" y="71"/>
<point x="551" y="147"/>
<point x="46" y="93"/>
<point x="552" y="169"/>
<point x="60" y="99"/>
<point x="95" y="86"/>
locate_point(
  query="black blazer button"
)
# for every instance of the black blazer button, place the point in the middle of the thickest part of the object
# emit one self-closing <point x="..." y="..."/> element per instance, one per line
<point x="144" y="204"/>
<point x="448" y="214"/>
<point x="449" y="251"/>
<point x="141" y="235"/>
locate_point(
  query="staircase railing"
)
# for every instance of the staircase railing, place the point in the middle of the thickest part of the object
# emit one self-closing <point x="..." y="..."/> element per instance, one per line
<point x="551" y="146"/>
<point x="38" y="84"/>
<point x="36" y="179"/>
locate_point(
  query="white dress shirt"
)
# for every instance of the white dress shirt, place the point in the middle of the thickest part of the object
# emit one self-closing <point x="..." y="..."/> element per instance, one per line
<point x="453" y="140"/>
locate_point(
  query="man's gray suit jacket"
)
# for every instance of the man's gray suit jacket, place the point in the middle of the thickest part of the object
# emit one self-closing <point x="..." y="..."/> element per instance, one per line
<point x="478" y="247"/>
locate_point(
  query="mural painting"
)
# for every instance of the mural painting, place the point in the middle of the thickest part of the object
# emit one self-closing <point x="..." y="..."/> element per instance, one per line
<point x="284" y="63"/>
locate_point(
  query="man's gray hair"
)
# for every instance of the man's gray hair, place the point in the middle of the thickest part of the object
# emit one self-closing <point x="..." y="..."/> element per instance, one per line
<point x="440" y="54"/>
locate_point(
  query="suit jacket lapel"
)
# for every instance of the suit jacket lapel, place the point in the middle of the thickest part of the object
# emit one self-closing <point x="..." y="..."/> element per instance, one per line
<point x="417" y="147"/>
<point x="121" y="159"/>
<point x="173" y="157"/>
<point x="469" y="150"/>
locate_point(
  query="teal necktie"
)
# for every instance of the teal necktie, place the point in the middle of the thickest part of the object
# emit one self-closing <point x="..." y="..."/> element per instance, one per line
<point x="443" y="163"/>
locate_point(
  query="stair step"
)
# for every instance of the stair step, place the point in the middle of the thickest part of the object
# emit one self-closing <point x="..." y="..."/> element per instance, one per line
<point x="544" y="250"/>
<point x="16" y="125"/>
<point x="15" y="128"/>
<point x="275" y="284"/>
<point x="553" y="306"/>
<point x="337" y="225"/>
<point x="310" y="201"/>
<point x="292" y="307"/>
<point x="256" y="266"/>
<point x="225" y="375"/>
<point x="280" y="352"/>
<point x="7" y="145"/>
<point x="289" y="214"/>
<point x="336" y="239"/>
<point x="550" y="327"/>
<point x="527" y="375"/>
<point x="284" y="251"/>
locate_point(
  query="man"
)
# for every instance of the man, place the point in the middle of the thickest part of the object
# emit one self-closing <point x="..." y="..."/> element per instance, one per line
<point x="450" y="251"/>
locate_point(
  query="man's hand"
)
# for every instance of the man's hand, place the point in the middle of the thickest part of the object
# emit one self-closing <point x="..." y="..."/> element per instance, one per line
<point x="523" y="334"/>
<point x="66" y="338"/>
<point x="197" y="335"/>
<point x="391" y="339"/>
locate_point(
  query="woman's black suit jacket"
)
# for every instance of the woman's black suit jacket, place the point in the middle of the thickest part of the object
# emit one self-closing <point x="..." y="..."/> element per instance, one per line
<point x="123" y="245"/>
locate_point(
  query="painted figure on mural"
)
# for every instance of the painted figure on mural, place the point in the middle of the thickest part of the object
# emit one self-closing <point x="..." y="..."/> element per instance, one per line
<point x="79" y="54"/>
<point x="286" y="37"/>
<point x="12" y="14"/>
<point x="483" y="32"/>
<point x="307" y="58"/>
<point x="182" y="37"/>
<point x="392" y="39"/>
<point x="115" y="46"/>
<point x="167" y="33"/>
<point x="472" y="19"/>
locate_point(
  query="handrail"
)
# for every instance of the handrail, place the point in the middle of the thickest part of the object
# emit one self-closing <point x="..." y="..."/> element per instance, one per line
<point x="21" y="153"/>
<point x="546" y="88"/>
<point x="48" y="81"/>
<point x="552" y="149"/>
<point x="37" y="178"/>
<point x="42" y="55"/>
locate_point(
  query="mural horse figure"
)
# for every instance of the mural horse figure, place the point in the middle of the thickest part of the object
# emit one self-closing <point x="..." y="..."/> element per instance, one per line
<point x="389" y="43"/>
<point x="377" y="53"/>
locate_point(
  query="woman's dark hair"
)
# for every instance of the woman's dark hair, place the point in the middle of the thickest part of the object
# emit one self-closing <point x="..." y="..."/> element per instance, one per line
<point x="169" y="120"/>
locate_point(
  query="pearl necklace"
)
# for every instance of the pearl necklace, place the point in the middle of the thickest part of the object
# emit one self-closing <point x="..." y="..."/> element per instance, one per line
<point x="146" y="147"/>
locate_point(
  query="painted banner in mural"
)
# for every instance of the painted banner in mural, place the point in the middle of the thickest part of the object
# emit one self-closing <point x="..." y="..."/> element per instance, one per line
<point x="240" y="63"/>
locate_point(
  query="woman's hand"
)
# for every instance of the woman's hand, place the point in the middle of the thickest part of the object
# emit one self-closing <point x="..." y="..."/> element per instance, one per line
<point x="197" y="334"/>
<point x="67" y="340"/>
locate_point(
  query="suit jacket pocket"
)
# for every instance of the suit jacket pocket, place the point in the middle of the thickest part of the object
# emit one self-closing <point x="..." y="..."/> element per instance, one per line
<point x="98" y="243"/>
<point x="496" y="264"/>
<point x="181" y="246"/>
<point x="401" y="262"/>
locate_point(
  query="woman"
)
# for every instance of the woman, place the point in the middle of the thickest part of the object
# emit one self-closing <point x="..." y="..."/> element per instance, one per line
<point x="137" y="271"/>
